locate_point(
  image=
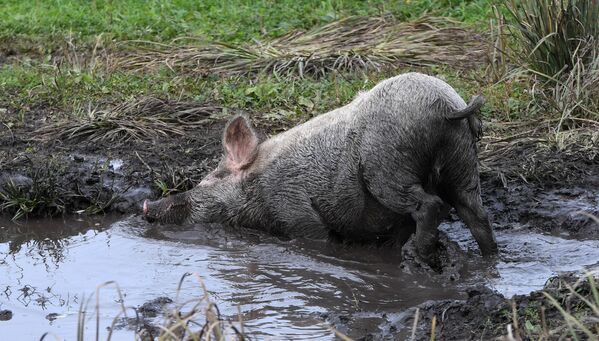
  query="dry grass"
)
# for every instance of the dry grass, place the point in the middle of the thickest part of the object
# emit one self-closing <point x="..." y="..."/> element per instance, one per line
<point x="533" y="149"/>
<point x="347" y="45"/>
<point x="197" y="319"/>
<point x="142" y="119"/>
<point x="577" y="302"/>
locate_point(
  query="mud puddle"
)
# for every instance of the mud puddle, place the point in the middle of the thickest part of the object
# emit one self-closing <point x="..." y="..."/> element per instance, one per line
<point x="288" y="289"/>
<point x="527" y="260"/>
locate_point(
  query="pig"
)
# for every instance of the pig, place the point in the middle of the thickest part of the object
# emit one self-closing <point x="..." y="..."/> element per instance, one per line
<point x="391" y="160"/>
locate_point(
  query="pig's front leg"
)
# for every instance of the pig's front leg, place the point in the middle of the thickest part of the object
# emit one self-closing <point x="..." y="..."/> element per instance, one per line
<point x="299" y="219"/>
<point x="307" y="225"/>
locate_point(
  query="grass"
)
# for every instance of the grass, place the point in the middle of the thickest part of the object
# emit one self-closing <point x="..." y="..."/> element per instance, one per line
<point x="170" y="180"/>
<point x="225" y="21"/>
<point x="554" y="35"/>
<point x="136" y="120"/>
<point x="81" y="79"/>
<point x="348" y="45"/>
<point x="80" y="94"/>
<point x="577" y="303"/>
<point x="40" y="194"/>
<point x="93" y="97"/>
<point x="557" y="42"/>
<point x="195" y="319"/>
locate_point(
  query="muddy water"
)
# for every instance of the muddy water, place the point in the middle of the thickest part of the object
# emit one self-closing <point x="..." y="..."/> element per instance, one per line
<point x="50" y="268"/>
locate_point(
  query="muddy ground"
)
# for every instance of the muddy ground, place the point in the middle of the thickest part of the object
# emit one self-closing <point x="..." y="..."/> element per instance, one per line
<point x="67" y="176"/>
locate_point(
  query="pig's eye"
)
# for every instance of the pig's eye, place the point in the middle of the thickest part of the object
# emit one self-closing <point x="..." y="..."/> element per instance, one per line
<point x="221" y="173"/>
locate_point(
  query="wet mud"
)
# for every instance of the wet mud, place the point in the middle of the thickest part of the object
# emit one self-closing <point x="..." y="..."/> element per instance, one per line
<point x="50" y="267"/>
<point x="102" y="176"/>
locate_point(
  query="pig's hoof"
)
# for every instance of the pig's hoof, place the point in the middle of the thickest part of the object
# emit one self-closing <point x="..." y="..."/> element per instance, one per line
<point x="490" y="252"/>
<point x="433" y="260"/>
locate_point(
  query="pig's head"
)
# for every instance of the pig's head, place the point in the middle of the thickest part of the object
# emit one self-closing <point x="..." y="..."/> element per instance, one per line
<point x="213" y="199"/>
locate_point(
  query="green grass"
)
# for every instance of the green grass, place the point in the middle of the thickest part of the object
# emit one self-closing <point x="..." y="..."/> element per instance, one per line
<point x="80" y="82"/>
<point x="43" y="195"/>
<point x="227" y="21"/>
<point x="71" y="91"/>
<point x="77" y="81"/>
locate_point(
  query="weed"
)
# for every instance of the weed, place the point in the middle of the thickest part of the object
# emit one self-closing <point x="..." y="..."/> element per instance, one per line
<point x="41" y="195"/>
<point x="579" y="306"/>
<point x="181" y="322"/>
<point x="573" y="97"/>
<point x="556" y="41"/>
<point x="172" y="180"/>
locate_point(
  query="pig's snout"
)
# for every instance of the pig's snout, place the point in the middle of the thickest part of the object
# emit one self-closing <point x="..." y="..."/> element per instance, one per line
<point x="145" y="208"/>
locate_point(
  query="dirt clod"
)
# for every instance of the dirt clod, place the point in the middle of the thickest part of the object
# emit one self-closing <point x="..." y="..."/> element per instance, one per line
<point x="5" y="315"/>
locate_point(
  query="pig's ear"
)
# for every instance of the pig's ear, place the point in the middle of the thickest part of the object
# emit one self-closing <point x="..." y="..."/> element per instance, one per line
<point x="240" y="143"/>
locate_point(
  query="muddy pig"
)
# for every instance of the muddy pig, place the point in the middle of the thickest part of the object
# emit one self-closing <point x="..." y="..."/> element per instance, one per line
<point x="391" y="158"/>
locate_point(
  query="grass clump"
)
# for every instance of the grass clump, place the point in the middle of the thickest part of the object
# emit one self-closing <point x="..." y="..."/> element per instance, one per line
<point x="351" y="44"/>
<point x="557" y="42"/>
<point x="579" y="306"/>
<point x="142" y="119"/>
<point x="170" y="180"/>
<point x="554" y="34"/>
<point x="195" y="319"/>
<point x="37" y="193"/>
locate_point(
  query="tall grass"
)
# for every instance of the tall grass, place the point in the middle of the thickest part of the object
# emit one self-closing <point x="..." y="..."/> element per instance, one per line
<point x="555" y="34"/>
<point x="558" y="42"/>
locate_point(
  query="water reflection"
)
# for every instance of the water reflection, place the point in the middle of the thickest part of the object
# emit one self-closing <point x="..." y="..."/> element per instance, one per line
<point x="280" y="288"/>
<point x="48" y="239"/>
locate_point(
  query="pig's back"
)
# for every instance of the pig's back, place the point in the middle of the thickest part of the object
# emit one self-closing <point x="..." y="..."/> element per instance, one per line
<point x="408" y="96"/>
<point x="406" y="132"/>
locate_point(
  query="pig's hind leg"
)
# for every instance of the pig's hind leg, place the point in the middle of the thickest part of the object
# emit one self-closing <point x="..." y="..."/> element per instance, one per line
<point x="468" y="205"/>
<point x="461" y="187"/>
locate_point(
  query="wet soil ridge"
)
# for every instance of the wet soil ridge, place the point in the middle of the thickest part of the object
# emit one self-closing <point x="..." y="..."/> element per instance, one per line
<point x="146" y="148"/>
<point x="532" y="151"/>
<point x="567" y="305"/>
<point x="353" y="44"/>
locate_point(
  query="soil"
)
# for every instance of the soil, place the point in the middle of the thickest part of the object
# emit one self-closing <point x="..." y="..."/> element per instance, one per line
<point x="68" y="176"/>
<point x="487" y="315"/>
<point x="5" y="315"/>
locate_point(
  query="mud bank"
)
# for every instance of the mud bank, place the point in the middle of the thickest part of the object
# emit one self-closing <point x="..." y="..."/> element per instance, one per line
<point x="487" y="315"/>
<point x="58" y="177"/>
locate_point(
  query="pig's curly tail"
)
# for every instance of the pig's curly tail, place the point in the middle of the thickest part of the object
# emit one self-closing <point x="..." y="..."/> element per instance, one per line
<point x="469" y="112"/>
